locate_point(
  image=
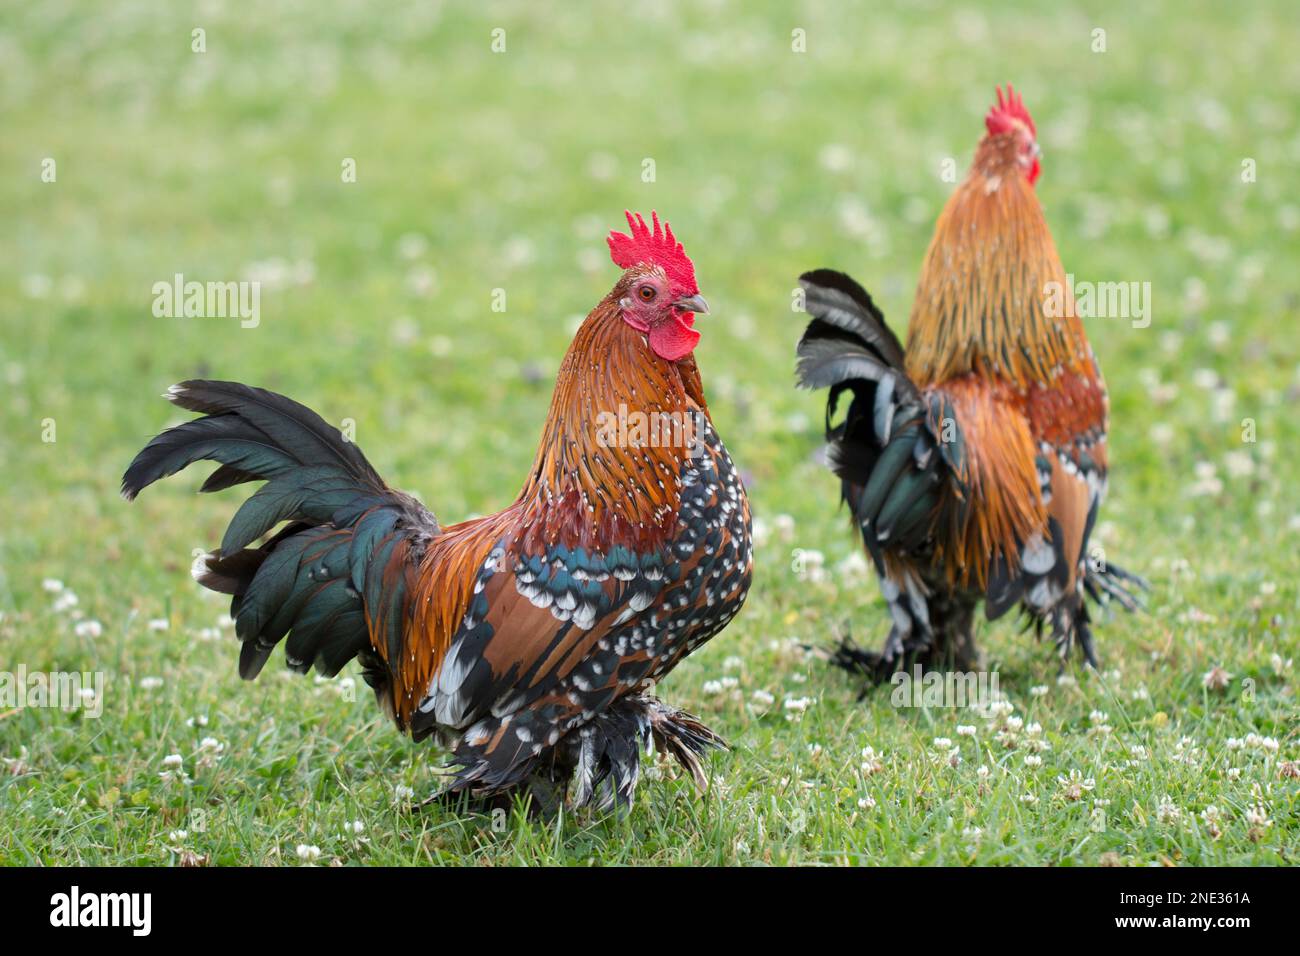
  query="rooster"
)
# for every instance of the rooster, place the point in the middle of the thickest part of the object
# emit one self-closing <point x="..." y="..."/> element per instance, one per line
<point x="974" y="462"/>
<point x="529" y="640"/>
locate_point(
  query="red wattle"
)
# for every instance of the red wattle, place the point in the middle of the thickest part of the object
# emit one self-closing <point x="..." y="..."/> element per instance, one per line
<point x="674" y="338"/>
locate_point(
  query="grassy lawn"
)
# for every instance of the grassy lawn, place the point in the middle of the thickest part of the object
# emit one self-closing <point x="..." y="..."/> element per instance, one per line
<point x="478" y="171"/>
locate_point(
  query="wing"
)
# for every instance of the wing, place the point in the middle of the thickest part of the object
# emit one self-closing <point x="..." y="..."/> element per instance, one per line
<point x="554" y="635"/>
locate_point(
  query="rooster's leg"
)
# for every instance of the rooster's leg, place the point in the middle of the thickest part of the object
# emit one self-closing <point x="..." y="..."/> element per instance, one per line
<point x="1071" y="623"/>
<point x="541" y="794"/>
<point x="938" y="636"/>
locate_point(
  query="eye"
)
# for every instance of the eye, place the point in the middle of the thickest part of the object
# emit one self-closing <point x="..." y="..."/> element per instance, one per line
<point x="646" y="292"/>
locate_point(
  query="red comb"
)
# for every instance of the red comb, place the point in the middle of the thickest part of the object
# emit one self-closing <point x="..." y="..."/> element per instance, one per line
<point x="1010" y="110"/>
<point x="656" y="246"/>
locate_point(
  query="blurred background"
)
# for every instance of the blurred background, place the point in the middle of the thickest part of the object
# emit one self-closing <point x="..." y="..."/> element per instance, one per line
<point x="494" y="145"/>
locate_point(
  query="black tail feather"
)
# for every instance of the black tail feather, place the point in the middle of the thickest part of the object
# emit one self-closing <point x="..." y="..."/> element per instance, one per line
<point x="886" y="452"/>
<point x="314" y="579"/>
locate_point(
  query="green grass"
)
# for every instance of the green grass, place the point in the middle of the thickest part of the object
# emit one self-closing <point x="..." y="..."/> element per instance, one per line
<point x="479" y="171"/>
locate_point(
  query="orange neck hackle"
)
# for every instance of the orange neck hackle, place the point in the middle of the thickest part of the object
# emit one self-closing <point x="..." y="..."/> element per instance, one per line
<point x="985" y="300"/>
<point x="595" y="479"/>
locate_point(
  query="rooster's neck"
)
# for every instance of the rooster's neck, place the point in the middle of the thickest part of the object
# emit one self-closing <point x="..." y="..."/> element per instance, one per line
<point x="984" y="301"/>
<point x="618" y="430"/>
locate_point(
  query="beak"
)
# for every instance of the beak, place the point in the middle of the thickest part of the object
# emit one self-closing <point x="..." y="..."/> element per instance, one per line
<point x="694" y="303"/>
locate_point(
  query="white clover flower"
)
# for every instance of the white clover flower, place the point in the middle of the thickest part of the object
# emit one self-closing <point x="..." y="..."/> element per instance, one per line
<point x="1075" y="785"/>
<point x="1168" y="811"/>
<point x="158" y="624"/>
<point x="942" y="743"/>
<point x="1162" y="433"/>
<point x="52" y="585"/>
<point x="853" y="567"/>
<point x="965" y="730"/>
<point x="835" y="157"/>
<point x="151" y="683"/>
<point x="1028" y="799"/>
<point x="1098" y="717"/>
<point x="66" y="601"/>
<point x="1254" y="741"/>
<point x="982" y="772"/>
<point x="200" y="721"/>
<point x="712" y="688"/>
<point x="1034" y="729"/>
<point x="402" y="792"/>
<point x="762" y="698"/>
<point x="1239" y="464"/>
<point x="173" y="761"/>
<point x="356" y="827"/>
<point x="1032" y="760"/>
<point x="308" y="853"/>
<point x="866" y="803"/>
<point x="811" y="563"/>
<point x="729" y="683"/>
<point x="1257" y="816"/>
<point x="211" y="745"/>
<point x="176" y="836"/>
<point x="1216" y="678"/>
<point x="175" y="776"/>
<point x="798" y="704"/>
<point x="871" y="762"/>
<point x="1002" y="708"/>
<point x="1038" y="690"/>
